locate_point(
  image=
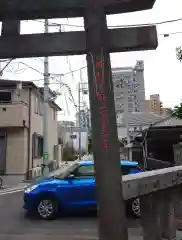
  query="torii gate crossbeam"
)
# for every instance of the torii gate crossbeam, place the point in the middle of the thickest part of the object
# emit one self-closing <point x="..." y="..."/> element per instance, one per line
<point x="73" y="43"/>
<point x="34" y="9"/>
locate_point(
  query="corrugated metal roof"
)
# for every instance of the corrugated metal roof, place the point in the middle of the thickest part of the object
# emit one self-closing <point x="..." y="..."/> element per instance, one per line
<point x="172" y="121"/>
<point x="140" y="119"/>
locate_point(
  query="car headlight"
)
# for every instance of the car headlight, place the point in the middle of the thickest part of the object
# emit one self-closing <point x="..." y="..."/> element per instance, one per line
<point x="30" y="189"/>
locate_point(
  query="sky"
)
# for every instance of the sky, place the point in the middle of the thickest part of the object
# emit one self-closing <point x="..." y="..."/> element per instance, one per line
<point x="162" y="71"/>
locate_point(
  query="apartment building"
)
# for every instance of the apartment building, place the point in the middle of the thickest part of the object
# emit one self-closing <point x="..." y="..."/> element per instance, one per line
<point x="21" y="127"/>
<point x="129" y="88"/>
<point x="154" y="105"/>
<point x="129" y="92"/>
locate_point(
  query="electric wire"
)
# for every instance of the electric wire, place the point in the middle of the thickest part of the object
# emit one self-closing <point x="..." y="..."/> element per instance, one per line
<point x="6" y="65"/>
<point x="120" y="26"/>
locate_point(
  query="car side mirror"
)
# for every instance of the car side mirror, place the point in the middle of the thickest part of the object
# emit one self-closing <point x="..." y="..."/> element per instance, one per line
<point x="70" y="178"/>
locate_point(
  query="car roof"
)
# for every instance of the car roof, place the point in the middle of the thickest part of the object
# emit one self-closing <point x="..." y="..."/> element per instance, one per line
<point x="122" y="162"/>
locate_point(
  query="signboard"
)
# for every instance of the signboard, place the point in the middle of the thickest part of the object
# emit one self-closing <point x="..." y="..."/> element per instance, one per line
<point x="45" y="155"/>
<point x="73" y="136"/>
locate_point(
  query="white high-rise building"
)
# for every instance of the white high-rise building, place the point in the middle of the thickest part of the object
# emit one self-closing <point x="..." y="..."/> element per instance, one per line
<point x="129" y="91"/>
<point x="129" y="88"/>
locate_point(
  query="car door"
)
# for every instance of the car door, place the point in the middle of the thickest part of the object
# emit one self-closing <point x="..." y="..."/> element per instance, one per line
<point x="83" y="187"/>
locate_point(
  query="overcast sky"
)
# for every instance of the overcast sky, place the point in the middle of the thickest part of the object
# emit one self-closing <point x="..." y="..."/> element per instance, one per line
<point x="163" y="73"/>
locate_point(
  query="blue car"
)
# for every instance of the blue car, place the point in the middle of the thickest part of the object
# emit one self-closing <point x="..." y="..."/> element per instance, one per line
<point x="71" y="188"/>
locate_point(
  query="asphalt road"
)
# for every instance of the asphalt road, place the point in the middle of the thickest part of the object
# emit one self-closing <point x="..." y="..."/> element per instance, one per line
<point x="14" y="225"/>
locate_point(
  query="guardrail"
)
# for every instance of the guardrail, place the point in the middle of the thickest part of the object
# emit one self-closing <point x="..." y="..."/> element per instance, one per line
<point x="160" y="194"/>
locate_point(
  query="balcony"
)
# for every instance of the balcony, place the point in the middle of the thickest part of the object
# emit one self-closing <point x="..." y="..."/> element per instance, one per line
<point x="13" y="114"/>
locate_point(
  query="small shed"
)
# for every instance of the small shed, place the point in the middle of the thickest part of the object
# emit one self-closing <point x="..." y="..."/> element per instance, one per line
<point x="160" y="138"/>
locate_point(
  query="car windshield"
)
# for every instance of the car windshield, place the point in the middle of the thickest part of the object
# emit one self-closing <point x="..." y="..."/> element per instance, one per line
<point x="64" y="171"/>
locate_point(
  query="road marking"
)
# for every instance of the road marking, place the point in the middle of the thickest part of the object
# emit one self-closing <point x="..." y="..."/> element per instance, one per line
<point x="10" y="191"/>
<point x="13" y="191"/>
<point x="85" y="237"/>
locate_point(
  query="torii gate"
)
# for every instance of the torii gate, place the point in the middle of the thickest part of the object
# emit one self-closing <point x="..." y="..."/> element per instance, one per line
<point x="97" y="42"/>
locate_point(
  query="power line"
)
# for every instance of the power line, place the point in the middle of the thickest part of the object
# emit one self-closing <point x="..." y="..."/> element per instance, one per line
<point x="168" y="34"/>
<point x="52" y="74"/>
<point x="28" y="66"/>
<point x="114" y="26"/>
<point x="64" y="74"/>
<point x="1" y="72"/>
<point x="53" y="24"/>
<point x="149" y="24"/>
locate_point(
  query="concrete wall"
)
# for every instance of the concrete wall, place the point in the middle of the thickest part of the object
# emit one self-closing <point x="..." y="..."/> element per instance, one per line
<point x="14" y="115"/>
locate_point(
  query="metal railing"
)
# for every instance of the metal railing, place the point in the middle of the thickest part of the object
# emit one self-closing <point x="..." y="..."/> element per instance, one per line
<point x="13" y="103"/>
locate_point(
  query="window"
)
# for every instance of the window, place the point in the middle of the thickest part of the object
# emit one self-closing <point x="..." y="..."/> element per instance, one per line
<point x="38" y="107"/>
<point x="5" y="97"/>
<point x="130" y="170"/>
<point x="41" y="107"/>
<point x="85" y="171"/>
<point x="54" y="114"/>
<point x="37" y="146"/>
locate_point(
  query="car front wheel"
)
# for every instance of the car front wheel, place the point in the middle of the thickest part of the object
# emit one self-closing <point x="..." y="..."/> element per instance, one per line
<point x="135" y="207"/>
<point x="47" y="208"/>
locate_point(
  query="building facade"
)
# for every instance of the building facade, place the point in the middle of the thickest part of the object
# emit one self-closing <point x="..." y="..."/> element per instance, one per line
<point x="67" y="124"/>
<point x="70" y="136"/>
<point x="21" y="128"/>
<point x="153" y="105"/>
<point x="129" y="92"/>
<point x="129" y="88"/>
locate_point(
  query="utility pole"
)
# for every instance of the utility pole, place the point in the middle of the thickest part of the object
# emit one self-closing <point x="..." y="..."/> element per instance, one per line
<point x="125" y="90"/>
<point x="45" y="115"/>
<point x="1" y="72"/>
<point x="79" y="120"/>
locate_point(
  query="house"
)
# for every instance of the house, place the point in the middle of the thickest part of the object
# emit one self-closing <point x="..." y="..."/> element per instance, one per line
<point x="137" y="121"/>
<point x="70" y="135"/>
<point x="21" y="128"/>
<point x="160" y="144"/>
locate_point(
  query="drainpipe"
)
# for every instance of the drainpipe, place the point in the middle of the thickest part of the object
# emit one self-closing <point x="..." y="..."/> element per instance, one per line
<point x="29" y="132"/>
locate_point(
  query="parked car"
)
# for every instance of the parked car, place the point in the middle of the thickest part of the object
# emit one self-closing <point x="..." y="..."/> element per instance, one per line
<point x="73" y="188"/>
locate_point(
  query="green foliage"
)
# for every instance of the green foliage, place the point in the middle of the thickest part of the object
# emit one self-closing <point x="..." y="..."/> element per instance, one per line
<point x="69" y="153"/>
<point x="179" y="53"/>
<point x="178" y="111"/>
<point x="122" y="142"/>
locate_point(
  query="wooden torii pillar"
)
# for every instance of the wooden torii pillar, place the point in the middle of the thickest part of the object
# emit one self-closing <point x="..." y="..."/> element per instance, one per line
<point x="97" y="42"/>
